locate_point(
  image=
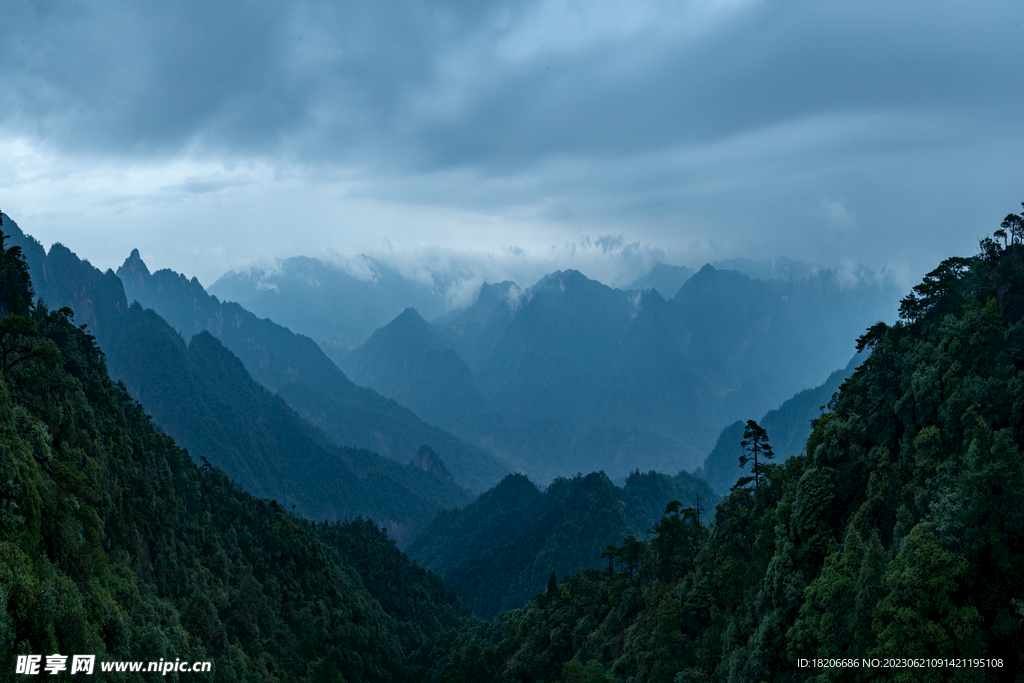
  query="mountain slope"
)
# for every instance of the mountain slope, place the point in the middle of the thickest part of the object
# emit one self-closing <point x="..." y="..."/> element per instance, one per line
<point x="414" y="363"/>
<point x="116" y="544"/>
<point x="788" y="427"/>
<point x="899" y="529"/>
<point x="500" y="549"/>
<point x="294" y="367"/>
<point x="202" y="395"/>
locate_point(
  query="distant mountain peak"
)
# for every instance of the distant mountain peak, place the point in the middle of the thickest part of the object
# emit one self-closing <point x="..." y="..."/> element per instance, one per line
<point x="430" y="462"/>
<point x="410" y="313"/>
<point x="133" y="266"/>
<point x="650" y="296"/>
<point x="663" y="277"/>
<point x="409" y="321"/>
<point x="565" y="280"/>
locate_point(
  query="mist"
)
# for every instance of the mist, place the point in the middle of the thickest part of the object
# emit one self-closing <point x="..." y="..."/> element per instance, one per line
<point x="512" y="137"/>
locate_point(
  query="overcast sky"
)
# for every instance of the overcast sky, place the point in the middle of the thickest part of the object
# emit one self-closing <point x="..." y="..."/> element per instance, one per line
<point x="512" y="138"/>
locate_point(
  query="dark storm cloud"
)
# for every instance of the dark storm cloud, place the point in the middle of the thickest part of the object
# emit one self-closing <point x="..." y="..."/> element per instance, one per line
<point x="777" y="62"/>
<point x="441" y="85"/>
<point x="308" y="80"/>
<point x="817" y="130"/>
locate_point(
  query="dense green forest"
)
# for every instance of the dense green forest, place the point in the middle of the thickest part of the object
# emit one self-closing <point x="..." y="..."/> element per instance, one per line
<point x="898" y="534"/>
<point x="201" y="394"/>
<point x="499" y="550"/>
<point x="114" y="543"/>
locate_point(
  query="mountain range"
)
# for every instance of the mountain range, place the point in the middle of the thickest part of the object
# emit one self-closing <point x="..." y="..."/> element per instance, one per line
<point x="338" y="306"/>
<point x="340" y="303"/>
<point x="294" y="367"/>
<point x="898" y="526"/>
<point x="204" y="395"/>
<point x="571" y="375"/>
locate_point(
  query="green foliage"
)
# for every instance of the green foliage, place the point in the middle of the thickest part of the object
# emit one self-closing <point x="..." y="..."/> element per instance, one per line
<point x="114" y="543"/>
<point x="898" y="532"/>
<point x="15" y="286"/>
<point x="201" y="394"/>
<point x="499" y="551"/>
<point x="757" y="450"/>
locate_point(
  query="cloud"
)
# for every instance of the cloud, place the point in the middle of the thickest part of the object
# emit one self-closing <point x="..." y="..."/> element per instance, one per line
<point x="835" y="215"/>
<point x="359" y="267"/>
<point x="634" y="304"/>
<point x="609" y="242"/>
<point x="517" y="297"/>
<point x="706" y="130"/>
<point x="464" y="293"/>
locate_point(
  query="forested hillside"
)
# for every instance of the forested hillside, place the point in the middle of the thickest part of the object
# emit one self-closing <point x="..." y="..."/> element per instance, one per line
<point x="789" y="426"/>
<point x="295" y="368"/>
<point x="201" y="395"/>
<point x="898" y="536"/>
<point x="114" y="543"/>
<point x="499" y="550"/>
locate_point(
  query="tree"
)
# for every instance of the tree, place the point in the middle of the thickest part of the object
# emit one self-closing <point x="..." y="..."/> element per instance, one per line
<point x="15" y="285"/>
<point x="755" y="447"/>
<point x="924" y="613"/>
<point x="1001" y="234"/>
<point x="611" y="552"/>
<point x="1014" y="223"/>
<point x="17" y="341"/>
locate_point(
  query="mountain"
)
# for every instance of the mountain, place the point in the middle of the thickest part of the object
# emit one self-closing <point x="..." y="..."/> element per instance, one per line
<point x="788" y="427"/>
<point x="780" y="268"/>
<point x="665" y="278"/>
<point x="201" y="394"/>
<point x="899" y="528"/>
<point x="413" y="362"/>
<point x="571" y="376"/>
<point x="294" y="367"/>
<point x="338" y="306"/>
<point x="115" y="544"/>
<point x="500" y="549"/>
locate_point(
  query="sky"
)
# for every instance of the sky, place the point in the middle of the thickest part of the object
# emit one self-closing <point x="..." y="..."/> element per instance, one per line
<point x="506" y="139"/>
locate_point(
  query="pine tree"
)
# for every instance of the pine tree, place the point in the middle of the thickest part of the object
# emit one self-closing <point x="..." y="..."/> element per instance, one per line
<point x="755" y="447"/>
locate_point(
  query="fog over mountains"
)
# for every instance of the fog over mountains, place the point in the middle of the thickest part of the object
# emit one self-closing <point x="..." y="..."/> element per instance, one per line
<point x="339" y="307"/>
<point x="410" y="342"/>
<point x="341" y="301"/>
<point x="260" y="402"/>
<point x="562" y="377"/>
<point x="571" y="375"/>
